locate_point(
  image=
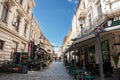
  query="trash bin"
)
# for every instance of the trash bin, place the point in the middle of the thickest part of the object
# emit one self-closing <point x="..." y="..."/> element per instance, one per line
<point x="24" y="69"/>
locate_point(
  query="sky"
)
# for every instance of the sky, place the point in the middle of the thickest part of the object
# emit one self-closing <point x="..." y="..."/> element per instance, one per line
<point x="55" y="18"/>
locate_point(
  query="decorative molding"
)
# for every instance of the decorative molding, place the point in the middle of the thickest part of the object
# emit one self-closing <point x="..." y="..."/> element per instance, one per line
<point x="12" y="32"/>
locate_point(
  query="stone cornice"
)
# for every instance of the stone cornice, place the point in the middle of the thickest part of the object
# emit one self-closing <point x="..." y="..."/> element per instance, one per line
<point x="20" y="9"/>
<point x="3" y="26"/>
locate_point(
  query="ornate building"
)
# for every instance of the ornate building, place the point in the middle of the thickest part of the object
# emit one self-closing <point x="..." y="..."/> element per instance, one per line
<point x="93" y="18"/>
<point x="17" y="27"/>
<point x="15" y="19"/>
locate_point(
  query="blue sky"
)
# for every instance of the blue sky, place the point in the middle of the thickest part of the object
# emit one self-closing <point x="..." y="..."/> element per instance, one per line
<point x="55" y="18"/>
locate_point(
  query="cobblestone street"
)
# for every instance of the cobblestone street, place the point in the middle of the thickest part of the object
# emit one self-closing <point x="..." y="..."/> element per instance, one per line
<point x="56" y="71"/>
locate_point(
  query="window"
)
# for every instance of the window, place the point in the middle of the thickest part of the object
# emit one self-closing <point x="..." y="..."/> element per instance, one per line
<point x="25" y="30"/>
<point x="1" y="44"/>
<point x="28" y="8"/>
<point x="4" y="12"/>
<point x="105" y="51"/>
<point x="84" y="5"/>
<point x="15" y="46"/>
<point x="21" y="1"/>
<point x="17" y="23"/>
<point x="92" y="54"/>
<point x="23" y="47"/>
<point x="90" y="20"/>
<point x="99" y="11"/>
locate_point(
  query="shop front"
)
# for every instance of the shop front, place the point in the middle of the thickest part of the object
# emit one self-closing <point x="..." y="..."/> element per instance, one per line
<point x="96" y="48"/>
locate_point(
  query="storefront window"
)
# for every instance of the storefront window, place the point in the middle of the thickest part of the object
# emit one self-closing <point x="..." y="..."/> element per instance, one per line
<point x="92" y="54"/>
<point x="105" y="51"/>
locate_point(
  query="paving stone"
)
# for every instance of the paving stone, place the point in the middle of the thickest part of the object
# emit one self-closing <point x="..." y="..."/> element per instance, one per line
<point x="56" y="71"/>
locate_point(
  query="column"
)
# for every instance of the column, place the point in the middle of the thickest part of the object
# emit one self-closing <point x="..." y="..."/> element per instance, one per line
<point x="100" y="56"/>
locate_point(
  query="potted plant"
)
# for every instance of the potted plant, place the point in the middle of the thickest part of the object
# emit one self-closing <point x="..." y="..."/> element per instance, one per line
<point x="116" y="71"/>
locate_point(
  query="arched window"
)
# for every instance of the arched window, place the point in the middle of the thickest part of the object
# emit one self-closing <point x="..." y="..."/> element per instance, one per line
<point x="4" y="12"/>
<point x="18" y="23"/>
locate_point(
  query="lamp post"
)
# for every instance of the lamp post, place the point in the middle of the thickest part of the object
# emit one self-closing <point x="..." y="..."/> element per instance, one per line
<point x="100" y="56"/>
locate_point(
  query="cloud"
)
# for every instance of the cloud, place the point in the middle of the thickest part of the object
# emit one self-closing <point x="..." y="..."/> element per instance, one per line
<point x="73" y="1"/>
<point x="53" y="44"/>
<point x="76" y="1"/>
<point x="69" y="0"/>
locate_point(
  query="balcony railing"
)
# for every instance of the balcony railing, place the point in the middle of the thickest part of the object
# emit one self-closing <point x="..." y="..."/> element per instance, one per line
<point x="86" y="32"/>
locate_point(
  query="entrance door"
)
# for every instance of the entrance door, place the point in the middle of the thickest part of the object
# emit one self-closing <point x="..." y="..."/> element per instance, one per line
<point x="106" y="57"/>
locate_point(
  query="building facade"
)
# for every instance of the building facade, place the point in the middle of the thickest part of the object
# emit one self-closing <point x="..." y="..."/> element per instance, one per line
<point x="15" y="19"/>
<point x="93" y="17"/>
<point x="17" y="27"/>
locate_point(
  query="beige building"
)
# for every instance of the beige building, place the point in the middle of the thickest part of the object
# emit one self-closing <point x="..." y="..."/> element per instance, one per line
<point x="15" y="19"/>
<point x="94" y="17"/>
<point x="66" y="44"/>
<point x="17" y="27"/>
<point x="46" y="45"/>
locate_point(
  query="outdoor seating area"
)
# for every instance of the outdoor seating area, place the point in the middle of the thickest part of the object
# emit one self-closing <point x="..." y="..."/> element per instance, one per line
<point x="79" y="73"/>
<point x="19" y="63"/>
<point x="14" y="68"/>
<point x="40" y="65"/>
<point x="90" y="72"/>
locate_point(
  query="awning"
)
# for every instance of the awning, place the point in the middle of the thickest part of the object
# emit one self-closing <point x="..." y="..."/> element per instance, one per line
<point x="87" y="37"/>
<point x="111" y="28"/>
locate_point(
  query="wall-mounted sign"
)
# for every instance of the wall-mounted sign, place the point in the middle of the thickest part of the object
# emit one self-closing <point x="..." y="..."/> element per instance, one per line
<point x="109" y="23"/>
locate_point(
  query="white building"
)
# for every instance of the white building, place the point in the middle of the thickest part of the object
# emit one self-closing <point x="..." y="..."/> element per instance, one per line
<point x="92" y="16"/>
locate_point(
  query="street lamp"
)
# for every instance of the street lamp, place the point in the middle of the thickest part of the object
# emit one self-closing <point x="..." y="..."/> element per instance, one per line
<point x="100" y="55"/>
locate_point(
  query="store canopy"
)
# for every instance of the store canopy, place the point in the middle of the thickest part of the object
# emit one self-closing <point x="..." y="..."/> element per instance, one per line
<point x="80" y="40"/>
<point x="90" y="36"/>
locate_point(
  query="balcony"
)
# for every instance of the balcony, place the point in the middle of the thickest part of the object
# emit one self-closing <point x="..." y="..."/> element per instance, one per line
<point x="112" y="8"/>
<point x="82" y="13"/>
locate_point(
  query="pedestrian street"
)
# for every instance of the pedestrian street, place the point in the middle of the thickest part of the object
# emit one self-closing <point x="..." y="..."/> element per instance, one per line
<point x="55" y="71"/>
